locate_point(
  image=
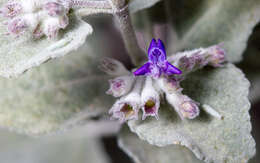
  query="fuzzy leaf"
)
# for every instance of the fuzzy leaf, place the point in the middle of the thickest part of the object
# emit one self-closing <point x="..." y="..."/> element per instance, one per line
<point x="142" y="152"/>
<point x="137" y="5"/>
<point x="55" y="96"/>
<point x="62" y="148"/>
<point x="207" y="22"/>
<point x="20" y="54"/>
<point x="251" y="65"/>
<point x="211" y="139"/>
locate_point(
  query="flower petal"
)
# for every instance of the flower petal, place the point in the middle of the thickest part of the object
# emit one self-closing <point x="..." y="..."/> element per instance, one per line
<point x="170" y="69"/>
<point x="143" y="70"/>
<point x="156" y="51"/>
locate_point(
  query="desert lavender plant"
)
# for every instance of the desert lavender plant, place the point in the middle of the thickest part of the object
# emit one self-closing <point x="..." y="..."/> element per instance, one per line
<point x="33" y="32"/>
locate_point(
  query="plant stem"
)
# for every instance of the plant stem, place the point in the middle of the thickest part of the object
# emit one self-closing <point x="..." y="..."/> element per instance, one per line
<point x="85" y="8"/>
<point x="122" y="14"/>
<point x="90" y="4"/>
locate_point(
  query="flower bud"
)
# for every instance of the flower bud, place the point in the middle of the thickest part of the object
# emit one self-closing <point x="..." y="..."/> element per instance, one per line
<point x="55" y="9"/>
<point x="127" y="107"/>
<point x="63" y="22"/>
<point x="217" y="55"/>
<point x="169" y="84"/>
<point x="113" y="67"/>
<point x="120" y="85"/>
<point x="11" y="9"/>
<point x="17" y="26"/>
<point x="184" y="106"/>
<point x="51" y="28"/>
<point x="150" y="99"/>
<point x="189" y="109"/>
<point x="187" y="63"/>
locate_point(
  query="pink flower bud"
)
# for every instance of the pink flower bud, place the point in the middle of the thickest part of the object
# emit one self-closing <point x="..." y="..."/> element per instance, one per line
<point x="17" y="26"/>
<point x="184" y="106"/>
<point x="187" y="63"/>
<point x="120" y="85"/>
<point x="11" y="9"/>
<point x="55" y="9"/>
<point x="189" y="109"/>
<point x="217" y="55"/>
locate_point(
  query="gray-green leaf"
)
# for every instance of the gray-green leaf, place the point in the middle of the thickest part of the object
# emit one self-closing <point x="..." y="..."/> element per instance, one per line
<point x="137" y="5"/>
<point x="211" y="139"/>
<point x="20" y="54"/>
<point x="207" y="22"/>
<point x="55" y="96"/>
<point x="142" y="152"/>
<point x="66" y="148"/>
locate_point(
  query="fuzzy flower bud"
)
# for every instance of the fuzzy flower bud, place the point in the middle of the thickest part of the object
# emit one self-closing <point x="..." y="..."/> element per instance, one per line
<point x="120" y="85"/>
<point x="217" y="55"/>
<point x="17" y="26"/>
<point x="11" y="9"/>
<point x="127" y="107"/>
<point x="113" y="67"/>
<point x="184" y="106"/>
<point x="37" y="17"/>
<point x="51" y="27"/>
<point x="55" y="9"/>
<point x="150" y="99"/>
<point x="190" y="61"/>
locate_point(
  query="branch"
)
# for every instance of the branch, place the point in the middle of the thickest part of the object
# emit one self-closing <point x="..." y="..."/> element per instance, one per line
<point x="121" y="12"/>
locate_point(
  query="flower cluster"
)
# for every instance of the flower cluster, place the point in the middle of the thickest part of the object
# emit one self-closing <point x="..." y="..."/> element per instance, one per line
<point x="38" y="17"/>
<point x="145" y="87"/>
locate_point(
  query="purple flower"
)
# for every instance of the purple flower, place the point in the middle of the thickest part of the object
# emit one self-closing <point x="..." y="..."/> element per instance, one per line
<point x="157" y="64"/>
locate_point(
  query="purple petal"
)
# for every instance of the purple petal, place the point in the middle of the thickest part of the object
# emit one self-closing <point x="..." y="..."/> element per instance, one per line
<point x="152" y="45"/>
<point x="143" y="70"/>
<point x="161" y="46"/>
<point x="156" y="51"/>
<point x="170" y="69"/>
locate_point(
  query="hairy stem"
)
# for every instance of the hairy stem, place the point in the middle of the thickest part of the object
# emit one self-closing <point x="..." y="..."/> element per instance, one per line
<point x="122" y="14"/>
<point x="85" y="8"/>
<point x="103" y="4"/>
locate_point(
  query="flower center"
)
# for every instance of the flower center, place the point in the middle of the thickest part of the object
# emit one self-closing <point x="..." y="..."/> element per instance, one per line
<point x="127" y="110"/>
<point x="149" y="107"/>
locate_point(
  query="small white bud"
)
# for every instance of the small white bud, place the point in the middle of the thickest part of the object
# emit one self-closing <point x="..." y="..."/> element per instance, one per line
<point x="113" y="67"/>
<point x="168" y="84"/>
<point x="183" y="105"/>
<point x="120" y="86"/>
<point x="51" y="27"/>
